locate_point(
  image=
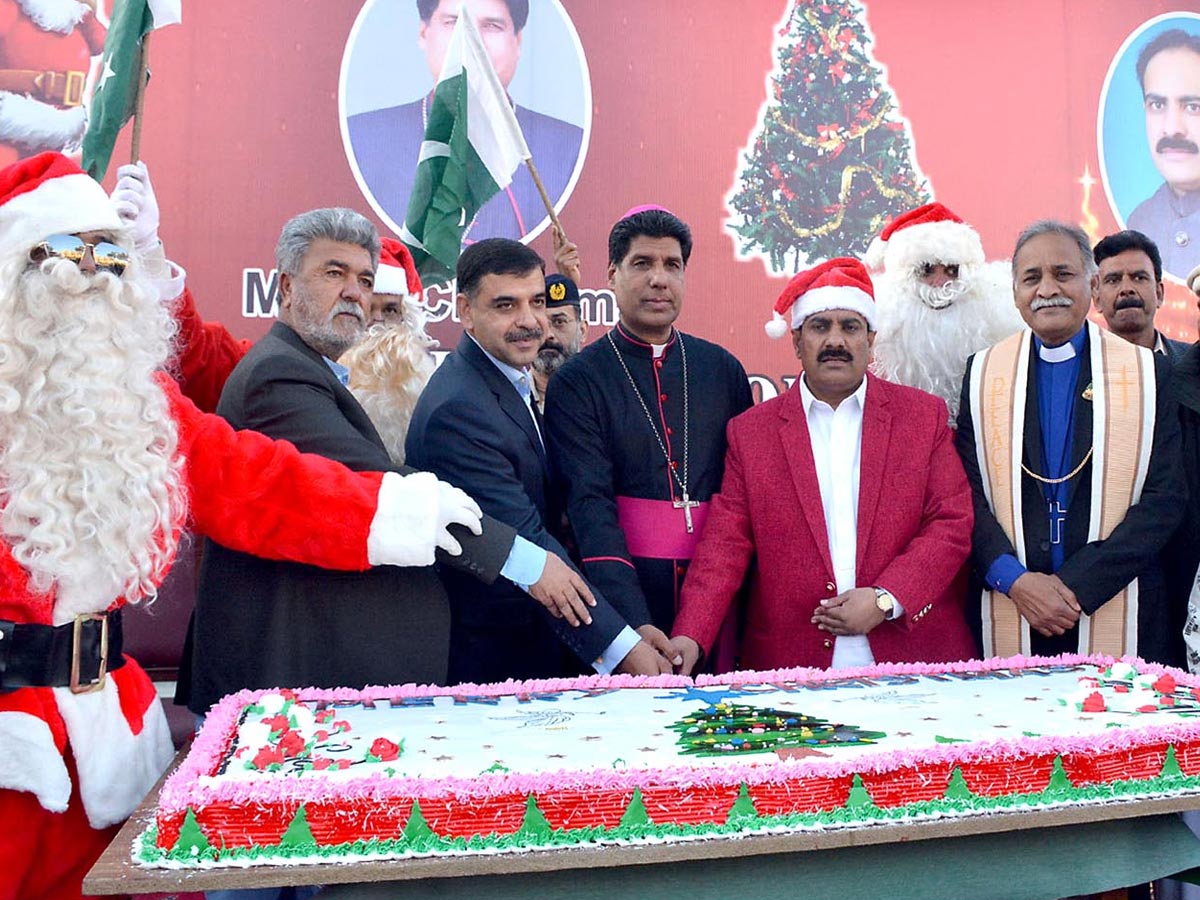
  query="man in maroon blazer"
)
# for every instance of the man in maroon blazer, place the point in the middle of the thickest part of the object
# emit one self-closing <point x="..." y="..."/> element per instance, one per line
<point x="843" y="499"/>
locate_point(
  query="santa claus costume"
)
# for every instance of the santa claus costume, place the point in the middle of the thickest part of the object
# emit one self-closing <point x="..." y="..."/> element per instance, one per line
<point x="391" y="365"/>
<point x="926" y="332"/>
<point x="102" y="462"/>
<point x="46" y="48"/>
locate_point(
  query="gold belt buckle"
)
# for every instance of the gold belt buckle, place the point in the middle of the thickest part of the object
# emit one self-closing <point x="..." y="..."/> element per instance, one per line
<point x="76" y="639"/>
<point x="73" y="96"/>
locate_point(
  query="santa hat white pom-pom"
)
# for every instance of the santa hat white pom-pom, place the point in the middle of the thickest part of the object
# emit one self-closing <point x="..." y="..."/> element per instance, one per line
<point x="874" y="255"/>
<point x="777" y="327"/>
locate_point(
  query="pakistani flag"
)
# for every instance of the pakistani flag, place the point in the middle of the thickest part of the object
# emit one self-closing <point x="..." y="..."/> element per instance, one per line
<point x="115" y="93"/>
<point x="472" y="147"/>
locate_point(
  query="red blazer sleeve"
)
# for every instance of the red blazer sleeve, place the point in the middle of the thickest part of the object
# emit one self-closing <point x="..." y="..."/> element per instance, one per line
<point x="722" y="556"/>
<point x="942" y="543"/>
<point x="206" y="353"/>
<point x="250" y="493"/>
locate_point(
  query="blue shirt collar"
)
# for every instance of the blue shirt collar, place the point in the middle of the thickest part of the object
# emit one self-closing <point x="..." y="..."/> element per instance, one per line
<point x="342" y="373"/>
<point x="519" y="378"/>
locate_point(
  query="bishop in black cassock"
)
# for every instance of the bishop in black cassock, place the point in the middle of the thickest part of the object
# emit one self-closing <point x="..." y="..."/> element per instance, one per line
<point x="625" y="490"/>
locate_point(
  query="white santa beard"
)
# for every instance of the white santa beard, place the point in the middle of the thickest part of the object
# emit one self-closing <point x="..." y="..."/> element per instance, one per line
<point x="54" y="15"/>
<point x="91" y="486"/>
<point x="388" y="370"/>
<point x="928" y="348"/>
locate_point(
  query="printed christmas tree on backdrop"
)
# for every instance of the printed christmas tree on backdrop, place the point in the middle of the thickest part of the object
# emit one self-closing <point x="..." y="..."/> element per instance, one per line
<point x="724" y="728"/>
<point x="831" y="161"/>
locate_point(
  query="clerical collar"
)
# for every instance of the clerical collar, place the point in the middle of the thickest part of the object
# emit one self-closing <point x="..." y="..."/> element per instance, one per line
<point x="1063" y="352"/>
<point x="657" y="351"/>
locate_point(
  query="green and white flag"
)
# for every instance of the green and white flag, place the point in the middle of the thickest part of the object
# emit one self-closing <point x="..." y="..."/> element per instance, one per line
<point x="472" y="147"/>
<point x="115" y="93"/>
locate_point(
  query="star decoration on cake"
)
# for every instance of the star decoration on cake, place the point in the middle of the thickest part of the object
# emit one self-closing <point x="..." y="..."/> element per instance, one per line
<point x="711" y="697"/>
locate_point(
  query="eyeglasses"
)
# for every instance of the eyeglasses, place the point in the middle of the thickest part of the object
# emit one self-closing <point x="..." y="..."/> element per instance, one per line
<point x="107" y="256"/>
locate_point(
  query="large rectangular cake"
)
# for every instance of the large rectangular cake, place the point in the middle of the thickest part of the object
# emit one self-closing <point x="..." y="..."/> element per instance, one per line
<point x="390" y="772"/>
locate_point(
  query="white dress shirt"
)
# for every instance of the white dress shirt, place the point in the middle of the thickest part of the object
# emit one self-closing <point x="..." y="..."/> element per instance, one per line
<point x="836" y="436"/>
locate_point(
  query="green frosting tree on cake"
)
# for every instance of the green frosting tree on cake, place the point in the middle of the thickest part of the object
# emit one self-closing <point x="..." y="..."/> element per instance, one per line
<point x="728" y="728"/>
<point x="298" y="833"/>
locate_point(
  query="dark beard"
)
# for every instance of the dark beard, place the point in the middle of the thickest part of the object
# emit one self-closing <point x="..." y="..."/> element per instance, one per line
<point x="549" y="360"/>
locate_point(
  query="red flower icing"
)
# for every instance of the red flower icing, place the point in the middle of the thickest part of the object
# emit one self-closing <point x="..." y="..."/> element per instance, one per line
<point x="320" y="763"/>
<point x="1094" y="703"/>
<point x="1165" y="684"/>
<point x="384" y="749"/>
<point x="278" y="722"/>
<point x="291" y="743"/>
<point x="267" y="756"/>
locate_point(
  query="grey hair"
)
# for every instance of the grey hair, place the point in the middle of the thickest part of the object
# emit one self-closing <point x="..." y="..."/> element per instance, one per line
<point x="339" y="224"/>
<point x="1050" y="226"/>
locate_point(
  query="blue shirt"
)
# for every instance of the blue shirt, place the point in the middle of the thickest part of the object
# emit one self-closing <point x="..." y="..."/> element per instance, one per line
<point x="1056" y="381"/>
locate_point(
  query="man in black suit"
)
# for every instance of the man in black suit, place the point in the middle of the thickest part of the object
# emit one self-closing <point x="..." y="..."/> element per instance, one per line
<point x="1128" y="290"/>
<point x="475" y="425"/>
<point x="1070" y="517"/>
<point x="262" y="623"/>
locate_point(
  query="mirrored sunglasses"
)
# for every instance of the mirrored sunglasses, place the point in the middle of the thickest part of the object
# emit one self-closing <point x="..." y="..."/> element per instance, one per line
<point x="108" y="256"/>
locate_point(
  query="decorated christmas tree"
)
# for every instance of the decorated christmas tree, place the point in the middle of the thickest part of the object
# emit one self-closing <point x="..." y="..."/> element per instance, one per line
<point x="830" y="162"/>
<point x="725" y="728"/>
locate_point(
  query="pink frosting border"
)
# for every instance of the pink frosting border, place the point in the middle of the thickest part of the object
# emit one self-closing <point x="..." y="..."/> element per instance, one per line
<point x="183" y="789"/>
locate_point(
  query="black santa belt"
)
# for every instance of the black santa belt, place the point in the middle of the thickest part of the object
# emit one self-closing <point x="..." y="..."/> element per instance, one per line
<point x="657" y="529"/>
<point x="75" y="655"/>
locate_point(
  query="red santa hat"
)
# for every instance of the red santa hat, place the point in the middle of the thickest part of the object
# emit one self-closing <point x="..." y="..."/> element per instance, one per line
<point x="49" y="194"/>
<point x="928" y="234"/>
<point x="397" y="273"/>
<point x="841" y="283"/>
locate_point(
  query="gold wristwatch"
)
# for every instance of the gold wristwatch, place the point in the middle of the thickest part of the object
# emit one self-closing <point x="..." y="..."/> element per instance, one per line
<point x="886" y="603"/>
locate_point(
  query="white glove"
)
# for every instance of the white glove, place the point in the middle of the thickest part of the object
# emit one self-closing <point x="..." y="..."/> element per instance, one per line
<point x="137" y="205"/>
<point x="412" y="519"/>
<point x="455" y="508"/>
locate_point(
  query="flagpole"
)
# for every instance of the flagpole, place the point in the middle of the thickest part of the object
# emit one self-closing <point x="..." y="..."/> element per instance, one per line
<point x="139" y="103"/>
<point x="545" y="197"/>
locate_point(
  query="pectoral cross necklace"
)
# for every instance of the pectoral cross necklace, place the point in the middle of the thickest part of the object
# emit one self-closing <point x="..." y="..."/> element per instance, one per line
<point x="686" y="503"/>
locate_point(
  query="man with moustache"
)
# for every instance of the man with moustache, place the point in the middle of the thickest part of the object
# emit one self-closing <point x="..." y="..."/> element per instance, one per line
<point x="845" y="501"/>
<point x="387" y="142"/>
<point x="636" y="425"/>
<point x="476" y="424"/>
<point x="103" y="462"/>
<point x="939" y="298"/>
<point x="566" y="330"/>
<point x="1070" y="439"/>
<point x="1168" y="70"/>
<point x="375" y="627"/>
<point x="1128" y="290"/>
